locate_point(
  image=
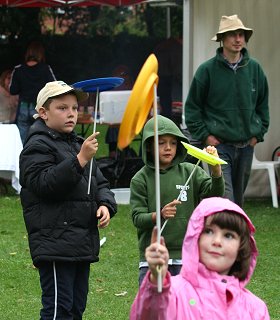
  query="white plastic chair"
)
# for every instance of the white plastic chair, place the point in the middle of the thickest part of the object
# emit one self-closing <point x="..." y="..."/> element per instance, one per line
<point x="271" y="167"/>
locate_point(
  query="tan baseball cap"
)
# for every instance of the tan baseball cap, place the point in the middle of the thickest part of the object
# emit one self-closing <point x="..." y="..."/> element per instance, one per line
<point x="56" y="88"/>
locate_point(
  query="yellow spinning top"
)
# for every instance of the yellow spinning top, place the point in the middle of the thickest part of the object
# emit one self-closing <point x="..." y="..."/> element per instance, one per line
<point x="139" y="103"/>
<point x="203" y="155"/>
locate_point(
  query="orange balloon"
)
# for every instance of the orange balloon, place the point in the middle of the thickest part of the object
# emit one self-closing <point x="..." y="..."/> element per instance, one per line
<point x="139" y="103"/>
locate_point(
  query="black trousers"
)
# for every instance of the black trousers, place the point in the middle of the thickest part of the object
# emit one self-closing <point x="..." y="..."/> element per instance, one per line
<point x="64" y="289"/>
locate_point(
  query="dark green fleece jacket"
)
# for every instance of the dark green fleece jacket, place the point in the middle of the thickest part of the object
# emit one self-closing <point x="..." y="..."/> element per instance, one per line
<point x="231" y="105"/>
<point x="172" y="180"/>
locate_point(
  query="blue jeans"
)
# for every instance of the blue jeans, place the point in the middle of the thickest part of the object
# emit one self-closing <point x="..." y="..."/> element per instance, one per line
<point x="237" y="171"/>
<point x="25" y="119"/>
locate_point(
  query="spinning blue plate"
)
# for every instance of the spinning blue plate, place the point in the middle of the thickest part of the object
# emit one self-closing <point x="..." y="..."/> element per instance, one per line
<point x="99" y="84"/>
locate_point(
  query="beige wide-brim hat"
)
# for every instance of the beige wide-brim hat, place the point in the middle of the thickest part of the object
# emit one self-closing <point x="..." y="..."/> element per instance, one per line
<point x="231" y="23"/>
<point x="56" y="88"/>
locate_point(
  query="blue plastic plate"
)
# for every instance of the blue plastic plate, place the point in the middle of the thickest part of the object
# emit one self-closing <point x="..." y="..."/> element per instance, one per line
<point x="100" y="84"/>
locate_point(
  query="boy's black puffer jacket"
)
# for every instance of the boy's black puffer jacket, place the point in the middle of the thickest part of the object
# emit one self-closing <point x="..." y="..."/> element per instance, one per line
<point x="59" y="215"/>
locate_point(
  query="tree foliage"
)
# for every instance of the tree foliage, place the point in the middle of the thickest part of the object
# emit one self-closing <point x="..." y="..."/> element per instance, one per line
<point x="85" y="42"/>
<point x="141" y="20"/>
<point x="19" y="24"/>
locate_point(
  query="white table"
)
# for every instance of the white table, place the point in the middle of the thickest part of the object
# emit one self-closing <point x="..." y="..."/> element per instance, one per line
<point x="10" y="148"/>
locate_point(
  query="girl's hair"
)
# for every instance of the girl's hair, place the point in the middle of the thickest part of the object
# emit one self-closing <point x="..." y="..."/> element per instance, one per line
<point x="4" y="75"/>
<point x="35" y="52"/>
<point x="235" y="222"/>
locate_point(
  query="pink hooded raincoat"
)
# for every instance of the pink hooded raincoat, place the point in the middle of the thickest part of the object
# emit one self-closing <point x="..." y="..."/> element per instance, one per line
<point x="198" y="293"/>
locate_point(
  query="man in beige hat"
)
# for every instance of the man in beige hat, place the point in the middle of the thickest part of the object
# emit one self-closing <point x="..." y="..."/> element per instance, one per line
<point x="227" y="105"/>
<point x="62" y="217"/>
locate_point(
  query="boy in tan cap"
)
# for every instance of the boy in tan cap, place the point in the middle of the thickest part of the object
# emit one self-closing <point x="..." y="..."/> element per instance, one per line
<point x="61" y="218"/>
<point x="227" y="105"/>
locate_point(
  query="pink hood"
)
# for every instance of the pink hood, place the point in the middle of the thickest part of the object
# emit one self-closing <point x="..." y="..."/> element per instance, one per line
<point x="190" y="252"/>
<point x="198" y="293"/>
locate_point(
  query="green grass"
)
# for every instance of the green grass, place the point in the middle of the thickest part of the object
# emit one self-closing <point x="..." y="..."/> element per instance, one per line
<point x="117" y="272"/>
<point x="114" y="280"/>
<point x="266" y="279"/>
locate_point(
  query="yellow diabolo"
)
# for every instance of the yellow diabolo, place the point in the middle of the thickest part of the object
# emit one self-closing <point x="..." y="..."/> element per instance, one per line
<point x="139" y="102"/>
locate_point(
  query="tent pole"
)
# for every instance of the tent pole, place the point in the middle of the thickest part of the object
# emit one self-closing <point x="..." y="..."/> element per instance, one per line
<point x="187" y="71"/>
<point x="168" y="24"/>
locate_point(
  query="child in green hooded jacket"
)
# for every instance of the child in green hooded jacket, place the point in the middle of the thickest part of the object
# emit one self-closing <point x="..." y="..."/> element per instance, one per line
<point x="174" y="172"/>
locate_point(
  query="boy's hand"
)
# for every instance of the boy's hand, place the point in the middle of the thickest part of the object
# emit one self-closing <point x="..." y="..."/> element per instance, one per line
<point x="216" y="170"/>
<point x="212" y="150"/>
<point x="88" y="149"/>
<point x="104" y="217"/>
<point x="169" y="210"/>
<point x="157" y="255"/>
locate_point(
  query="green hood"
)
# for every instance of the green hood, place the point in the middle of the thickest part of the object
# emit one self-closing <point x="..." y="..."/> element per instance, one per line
<point x="165" y="126"/>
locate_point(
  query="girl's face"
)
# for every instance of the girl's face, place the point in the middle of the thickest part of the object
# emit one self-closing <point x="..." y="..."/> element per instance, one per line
<point x="62" y="113"/>
<point x="218" y="248"/>
<point x="167" y="150"/>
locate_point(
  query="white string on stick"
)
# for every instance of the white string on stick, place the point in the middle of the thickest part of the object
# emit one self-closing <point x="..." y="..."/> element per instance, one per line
<point x="157" y="183"/>
<point x="182" y="190"/>
<point x="94" y="130"/>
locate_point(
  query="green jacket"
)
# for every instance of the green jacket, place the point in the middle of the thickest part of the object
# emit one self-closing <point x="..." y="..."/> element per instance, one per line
<point x="172" y="180"/>
<point x="231" y="105"/>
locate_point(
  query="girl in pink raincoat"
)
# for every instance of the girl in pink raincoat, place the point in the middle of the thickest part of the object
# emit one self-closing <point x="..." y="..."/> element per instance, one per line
<point x="219" y="256"/>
